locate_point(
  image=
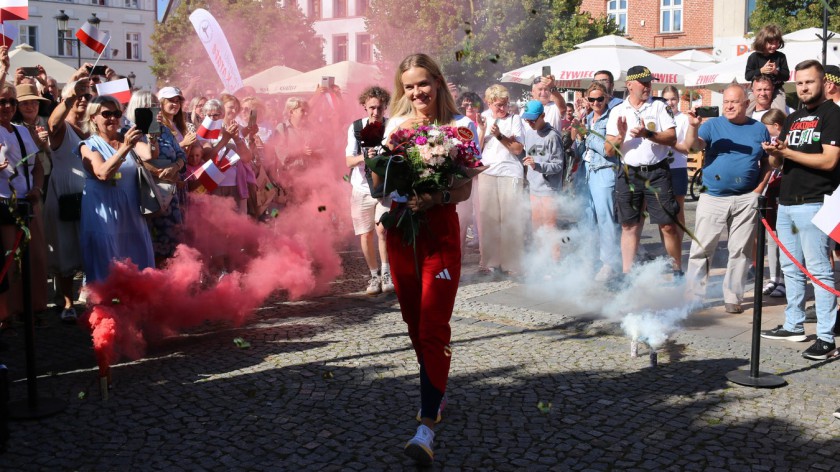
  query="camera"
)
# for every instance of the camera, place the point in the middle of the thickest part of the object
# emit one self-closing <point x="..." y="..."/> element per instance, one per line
<point x="327" y="82"/>
<point x="98" y="70"/>
<point x="546" y="71"/>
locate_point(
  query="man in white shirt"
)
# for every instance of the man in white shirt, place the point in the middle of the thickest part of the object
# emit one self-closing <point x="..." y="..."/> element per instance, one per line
<point x="552" y="100"/>
<point x="762" y="94"/>
<point x="366" y="210"/>
<point x="643" y="130"/>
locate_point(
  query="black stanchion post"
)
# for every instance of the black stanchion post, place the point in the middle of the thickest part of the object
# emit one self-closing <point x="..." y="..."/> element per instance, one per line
<point x="33" y="407"/>
<point x="753" y="377"/>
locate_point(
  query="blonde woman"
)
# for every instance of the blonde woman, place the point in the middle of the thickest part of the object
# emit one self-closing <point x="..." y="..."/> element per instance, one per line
<point x="421" y="97"/>
<point x="501" y="188"/>
<point x="112" y="227"/>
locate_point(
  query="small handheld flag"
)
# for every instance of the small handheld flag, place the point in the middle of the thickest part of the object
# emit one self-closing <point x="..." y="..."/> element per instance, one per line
<point x="91" y="37"/>
<point x="14" y="10"/>
<point x="209" y="129"/>
<point x="118" y="89"/>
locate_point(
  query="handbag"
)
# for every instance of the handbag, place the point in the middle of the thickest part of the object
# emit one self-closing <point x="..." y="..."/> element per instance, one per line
<point x="70" y="207"/>
<point x="155" y="195"/>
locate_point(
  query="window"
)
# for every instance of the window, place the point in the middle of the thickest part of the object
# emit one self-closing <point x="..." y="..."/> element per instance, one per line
<point x="671" y="11"/>
<point x="617" y="10"/>
<point x="130" y="3"/>
<point x="340" y="48"/>
<point x="66" y="43"/>
<point x="362" y="7"/>
<point x="132" y="46"/>
<point x="339" y="8"/>
<point x="315" y="9"/>
<point x="364" y="50"/>
<point x="29" y="35"/>
<point x="750" y="10"/>
<point x="97" y="2"/>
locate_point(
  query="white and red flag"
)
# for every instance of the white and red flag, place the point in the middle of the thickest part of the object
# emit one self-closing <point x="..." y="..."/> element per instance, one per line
<point x="8" y="35"/>
<point x="210" y="128"/>
<point x="209" y="176"/>
<point x="828" y="218"/>
<point x="118" y="89"/>
<point x="91" y="37"/>
<point x="226" y="159"/>
<point x="14" y="10"/>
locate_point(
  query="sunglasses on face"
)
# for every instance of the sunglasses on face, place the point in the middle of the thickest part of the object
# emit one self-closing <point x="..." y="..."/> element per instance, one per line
<point x="86" y="97"/>
<point x="595" y="99"/>
<point x="108" y="114"/>
<point x="12" y="102"/>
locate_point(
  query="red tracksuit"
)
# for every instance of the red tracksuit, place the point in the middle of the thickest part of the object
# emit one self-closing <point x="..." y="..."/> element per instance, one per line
<point x="427" y="303"/>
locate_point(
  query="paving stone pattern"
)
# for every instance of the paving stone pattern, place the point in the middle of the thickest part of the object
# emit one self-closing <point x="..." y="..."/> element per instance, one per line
<point x="331" y="383"/>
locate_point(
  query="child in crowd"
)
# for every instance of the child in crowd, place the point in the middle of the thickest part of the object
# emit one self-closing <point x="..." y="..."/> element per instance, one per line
<point x="194" y="162"/>
<point x="768" y="60"/>
<point x="544" y="158"/>
<point x="775" y="286"/>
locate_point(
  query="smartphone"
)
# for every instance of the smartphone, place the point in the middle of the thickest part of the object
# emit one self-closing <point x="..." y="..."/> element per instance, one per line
<point x="30" y="71"/>
<point x="327" y="82"/>
<point x="98" y="70"/>
<point x="146" y="120"/>
<point x="707" y="112"/>
<point x="252" y="119"/>
<point x="546" y="71"/>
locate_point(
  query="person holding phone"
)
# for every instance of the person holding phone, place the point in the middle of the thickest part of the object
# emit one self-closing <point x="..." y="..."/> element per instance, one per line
<point x="62" y="209"/>
<point x="112" y="227"/>
<point x="735" y="172"/>
<point x="165" y="159"/>
<point x="173" y="116"/>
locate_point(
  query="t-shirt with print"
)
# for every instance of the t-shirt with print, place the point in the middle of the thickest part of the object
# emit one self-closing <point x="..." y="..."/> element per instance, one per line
<point x="732" y="165"/>
<point x="640" y="151"/>
<point x="501" y="161"/>
<point x="808" y="131"/>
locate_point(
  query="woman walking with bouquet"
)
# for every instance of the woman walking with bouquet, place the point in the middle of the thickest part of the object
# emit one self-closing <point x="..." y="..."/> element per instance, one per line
<point x="433" y="146"/>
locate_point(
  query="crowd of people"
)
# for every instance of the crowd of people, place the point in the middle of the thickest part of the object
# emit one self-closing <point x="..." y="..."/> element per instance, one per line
<point x="70" y="160"/>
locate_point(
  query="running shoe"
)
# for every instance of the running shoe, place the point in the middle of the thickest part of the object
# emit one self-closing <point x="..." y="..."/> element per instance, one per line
<point x="419" y="447"/>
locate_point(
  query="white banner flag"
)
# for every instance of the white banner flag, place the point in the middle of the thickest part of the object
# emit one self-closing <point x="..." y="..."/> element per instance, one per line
<point x="217" y="47"/>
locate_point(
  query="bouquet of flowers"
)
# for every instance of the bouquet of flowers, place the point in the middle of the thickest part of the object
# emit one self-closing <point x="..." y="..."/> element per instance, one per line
<point x="425" y="159"/>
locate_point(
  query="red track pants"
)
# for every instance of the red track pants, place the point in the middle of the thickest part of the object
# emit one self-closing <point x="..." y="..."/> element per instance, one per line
<point x="426" y="303"/>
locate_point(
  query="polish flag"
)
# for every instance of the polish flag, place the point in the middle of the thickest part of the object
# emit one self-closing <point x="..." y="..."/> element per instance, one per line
<point x="226" y="160"/>
<point x="828" y="218"/>
<point x="118" y="89"/>
<point x="14" y="10"/>
<point x="8" y="34"/>
<point x="209" y="129"/>
<point x="209" y="176"/>
<point x="91" y="37"/>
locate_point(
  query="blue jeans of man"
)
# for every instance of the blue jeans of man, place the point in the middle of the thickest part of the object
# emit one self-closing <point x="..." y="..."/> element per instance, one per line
<point x="809" y="246"/>
<point x="600" y="190"/>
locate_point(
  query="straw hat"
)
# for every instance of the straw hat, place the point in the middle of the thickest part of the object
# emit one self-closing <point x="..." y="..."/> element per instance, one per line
<point x="26" y="92"/>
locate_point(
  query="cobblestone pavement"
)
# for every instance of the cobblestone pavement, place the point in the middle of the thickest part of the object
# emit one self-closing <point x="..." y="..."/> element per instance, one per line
<point x="331" y="383"/>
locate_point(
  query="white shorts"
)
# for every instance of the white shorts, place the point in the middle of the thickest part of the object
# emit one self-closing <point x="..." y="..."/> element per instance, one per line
<point x="366" y="211"/>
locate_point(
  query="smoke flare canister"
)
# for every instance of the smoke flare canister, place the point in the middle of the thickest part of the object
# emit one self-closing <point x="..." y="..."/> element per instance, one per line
<point x="653" y="358"/>
<point x="634" y="348"/>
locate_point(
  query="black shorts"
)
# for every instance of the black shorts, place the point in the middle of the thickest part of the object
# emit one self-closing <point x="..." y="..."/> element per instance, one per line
<point x="645" y="189"/>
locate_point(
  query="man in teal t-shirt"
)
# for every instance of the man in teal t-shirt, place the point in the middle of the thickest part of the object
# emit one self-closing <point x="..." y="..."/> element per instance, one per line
<point x="734" y="174"/>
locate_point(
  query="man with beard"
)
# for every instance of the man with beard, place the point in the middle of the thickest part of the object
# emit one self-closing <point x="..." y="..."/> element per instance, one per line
<point x="808" y="150"/>
<point x="643" y="130"/>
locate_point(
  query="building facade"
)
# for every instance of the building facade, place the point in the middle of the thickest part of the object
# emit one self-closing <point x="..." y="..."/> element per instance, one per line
<point x="668" y="27"/>
<point x="129" y="22"/>
<point x="340" y="24"/>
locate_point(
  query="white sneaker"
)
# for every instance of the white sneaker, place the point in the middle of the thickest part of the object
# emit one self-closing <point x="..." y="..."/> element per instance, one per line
<point x="387" y="283"/>
<point x="419" y="447"/>
<point x="605" y="274"/>
<point x="374" y="285"/>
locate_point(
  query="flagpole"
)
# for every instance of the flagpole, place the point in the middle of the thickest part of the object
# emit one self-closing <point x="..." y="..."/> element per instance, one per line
<point x="100" y="56"/>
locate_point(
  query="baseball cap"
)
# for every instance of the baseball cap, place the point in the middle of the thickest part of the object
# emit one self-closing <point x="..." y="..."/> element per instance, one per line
<point x="640" y="73"/>
<point x="533" y="110"/>
<point x="832" y="74"/>
<point x="169" y="92"/>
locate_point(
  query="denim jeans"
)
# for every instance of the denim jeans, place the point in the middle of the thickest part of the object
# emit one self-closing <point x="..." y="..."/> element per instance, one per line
<point x="809" y="246"/>
<point x="600" y="193"/>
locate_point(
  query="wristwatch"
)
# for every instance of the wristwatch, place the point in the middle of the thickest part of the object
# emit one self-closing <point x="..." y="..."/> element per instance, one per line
<point x="446" y="197"/>
<point x="648" y="133"/>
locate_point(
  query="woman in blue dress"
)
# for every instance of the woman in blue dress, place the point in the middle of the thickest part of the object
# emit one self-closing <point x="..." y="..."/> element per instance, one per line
<point x="165" y="162"/>
<point x="112" y="227"/>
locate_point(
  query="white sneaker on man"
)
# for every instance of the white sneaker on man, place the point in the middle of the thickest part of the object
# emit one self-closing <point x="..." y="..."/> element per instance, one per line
<point x="374" y="285"/>
<point x="419" y="447"/>
<point x="387" y="283"/>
